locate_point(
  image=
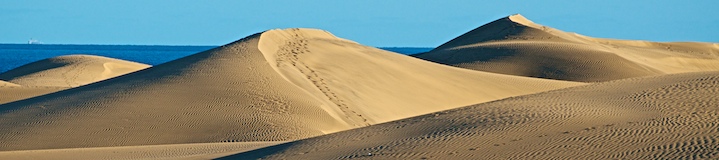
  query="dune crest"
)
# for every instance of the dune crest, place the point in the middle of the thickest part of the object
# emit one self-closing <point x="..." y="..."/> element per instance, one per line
<point x="272" y="86"/>
<point x="661" y="117"/>
<point x="518" y="18"/>
<point x="70" y="71"/>
<point x="515" y="45"/>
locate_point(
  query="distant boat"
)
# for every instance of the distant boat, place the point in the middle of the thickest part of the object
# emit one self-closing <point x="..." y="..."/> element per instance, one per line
<point x="33" y="41"/>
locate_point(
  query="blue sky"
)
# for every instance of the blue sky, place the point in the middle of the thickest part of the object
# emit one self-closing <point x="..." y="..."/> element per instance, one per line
<point x="385" y="23"/>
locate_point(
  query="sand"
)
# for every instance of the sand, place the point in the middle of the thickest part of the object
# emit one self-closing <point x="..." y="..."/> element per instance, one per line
<point x="173" y="151"/>
<point x="10" y="94"/>
<point x="69" y="71"/>
<point x="8" y="84"/>
<point x="278" y="85"/>
<point x="511" y="89"/>
<point x="515" y="45"/>
<point x="664" y="117"/>
<point x="360" y="82"/>
<point x="60" y="73"/>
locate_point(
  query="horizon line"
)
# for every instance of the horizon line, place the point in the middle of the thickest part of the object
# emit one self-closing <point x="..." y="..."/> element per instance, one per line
<point x="179" y="45"/>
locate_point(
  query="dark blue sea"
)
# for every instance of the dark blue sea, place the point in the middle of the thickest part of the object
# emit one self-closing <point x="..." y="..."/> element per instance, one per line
<point x="15" y="55"/>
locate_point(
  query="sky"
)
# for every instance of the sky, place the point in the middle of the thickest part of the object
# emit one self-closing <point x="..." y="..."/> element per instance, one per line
<point x="381" y="23"/>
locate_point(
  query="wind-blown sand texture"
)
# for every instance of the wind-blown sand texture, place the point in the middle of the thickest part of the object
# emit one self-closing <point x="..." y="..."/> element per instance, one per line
<point x="275" y="86"/>
<point x="69" y="71"/>
<point x="306" y="94"/>
<point x="170" y="152"/>
<point x="664" y="117"/>
<point x="516" y="46"/>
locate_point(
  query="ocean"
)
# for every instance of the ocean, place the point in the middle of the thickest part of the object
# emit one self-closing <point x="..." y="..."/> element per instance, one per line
<point x="15" y="55"/>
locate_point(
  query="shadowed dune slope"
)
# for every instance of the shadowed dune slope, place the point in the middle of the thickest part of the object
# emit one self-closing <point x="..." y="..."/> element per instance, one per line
<point x="274" y="86"/>
<point x="516" y="46"/>
<point x="663" y="117"/>
<point x="70" y="71"/>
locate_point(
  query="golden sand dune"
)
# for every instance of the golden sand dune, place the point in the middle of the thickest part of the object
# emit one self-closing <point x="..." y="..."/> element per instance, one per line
<point x="170" y="152"/>
<point x="516" y="46"/>
<point x="358" y="84"/>
<point x="273" y="86"/>
<point x="8" y="84"/>
<point x="15" y="93"/>
<point x="70" y="71"/>
<point x="663" y="117"/>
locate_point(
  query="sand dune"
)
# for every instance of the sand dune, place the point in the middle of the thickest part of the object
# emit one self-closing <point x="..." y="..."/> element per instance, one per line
<point x="8" y="84"/>
<point x="663" y="117"/>
<point x="310" y="95"/>
<point x="69" y="71"/>
<point x="516" y="46"/>
<point x="174" y="151"/>
<point x="15" y="93"/>
<point x="360" y="83"/>
<point x="10" y="92"/>
<point x="274" y="86"/>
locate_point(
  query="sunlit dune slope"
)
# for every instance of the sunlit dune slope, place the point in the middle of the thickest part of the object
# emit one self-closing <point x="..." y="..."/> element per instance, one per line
<point x="70" y="71"/>
<point x="517" y="46"/>
<point x="663" y="117"/>
<point x="8" y="84"/>
<point x="15" y="93"/>
<point x="272" y="86"/>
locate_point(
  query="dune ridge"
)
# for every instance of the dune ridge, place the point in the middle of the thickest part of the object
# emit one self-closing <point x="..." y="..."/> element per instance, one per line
<point x="273" y="86"/>
<point x="69" y="71"/>
<point x="660" y="117"/>
<point x="515" y="45"/>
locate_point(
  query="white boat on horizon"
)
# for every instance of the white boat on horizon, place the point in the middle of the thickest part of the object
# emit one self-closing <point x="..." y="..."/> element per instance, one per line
<point x="33" y="41"/>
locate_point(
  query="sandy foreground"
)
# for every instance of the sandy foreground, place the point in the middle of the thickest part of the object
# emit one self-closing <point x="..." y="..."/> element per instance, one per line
<point x="171" y="151"/>
<point x="663" y="117"/>
<point x="510" y="89"/>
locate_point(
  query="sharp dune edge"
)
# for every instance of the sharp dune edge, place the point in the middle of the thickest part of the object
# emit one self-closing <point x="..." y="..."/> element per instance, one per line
<point x="515" y="45"/>
<point x="306" y="94"/>
<point x="70" y="71"/>
<point x="664" y="117"/>
<point x="274" y="86"/>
